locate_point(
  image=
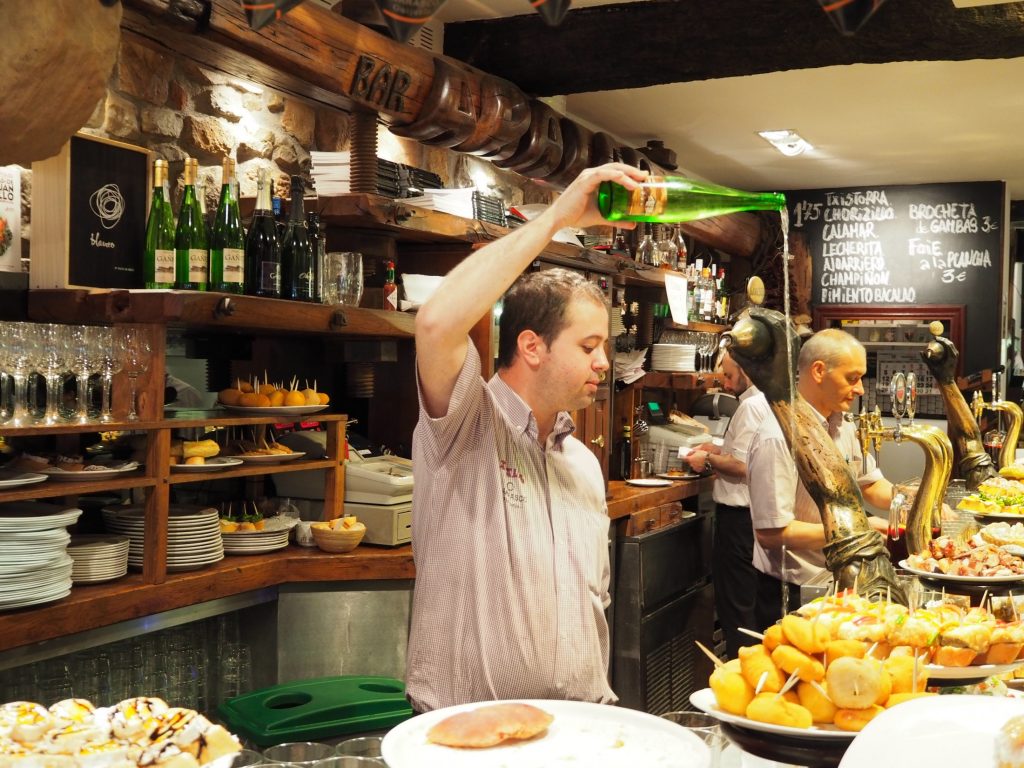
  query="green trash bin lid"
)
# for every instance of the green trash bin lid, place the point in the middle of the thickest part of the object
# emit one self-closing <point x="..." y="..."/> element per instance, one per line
<point x="321" y="708"/>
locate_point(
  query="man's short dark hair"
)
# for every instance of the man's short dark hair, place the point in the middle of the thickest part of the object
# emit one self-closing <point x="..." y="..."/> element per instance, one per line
<point x="538" y="302"/>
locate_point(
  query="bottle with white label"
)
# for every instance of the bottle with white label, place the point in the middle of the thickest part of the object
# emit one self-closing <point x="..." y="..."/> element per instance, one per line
<point x="158" y="267"/>
<point x="190" y="246"/>
<point x="227" y="238"/>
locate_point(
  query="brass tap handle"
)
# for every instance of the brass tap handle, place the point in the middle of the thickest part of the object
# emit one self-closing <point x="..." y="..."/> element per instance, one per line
<point x="877" y="429"/>
<point x="898" y="395"/>
<point x="977" y="404"/>
<point x="864" y="431"/>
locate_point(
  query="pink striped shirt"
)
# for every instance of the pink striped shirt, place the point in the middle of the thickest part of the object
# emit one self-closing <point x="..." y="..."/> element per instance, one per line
<point x="511" y="549"/>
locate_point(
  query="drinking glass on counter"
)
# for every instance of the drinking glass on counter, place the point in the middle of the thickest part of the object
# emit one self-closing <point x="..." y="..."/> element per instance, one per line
<point x="351" y="761"/>
<point x="361" y="746"/>
<point x="304" y="753"/>
<point x="706" y="727"/>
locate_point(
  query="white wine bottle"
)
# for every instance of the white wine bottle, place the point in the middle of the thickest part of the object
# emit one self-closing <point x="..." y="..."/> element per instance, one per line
<point x="668" y="199"/>
<point x="158" y="268"/>
<point x="190" y="246"/>
<point x="227" y="238"/>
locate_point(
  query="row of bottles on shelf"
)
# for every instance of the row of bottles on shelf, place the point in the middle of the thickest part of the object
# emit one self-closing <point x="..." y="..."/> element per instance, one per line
<point x="706" y="287"/>
<point x="273" y="258"/>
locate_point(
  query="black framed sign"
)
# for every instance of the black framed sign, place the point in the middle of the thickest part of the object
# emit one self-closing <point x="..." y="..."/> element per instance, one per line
<point x="92" y="201"/>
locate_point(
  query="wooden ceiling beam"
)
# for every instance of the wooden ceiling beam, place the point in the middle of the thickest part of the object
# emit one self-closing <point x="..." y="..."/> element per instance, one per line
<point x="633" y="45"/>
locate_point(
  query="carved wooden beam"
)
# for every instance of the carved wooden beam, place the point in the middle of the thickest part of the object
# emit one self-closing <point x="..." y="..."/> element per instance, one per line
<point x="435" y="100"/>
<point x="633" y="45"/>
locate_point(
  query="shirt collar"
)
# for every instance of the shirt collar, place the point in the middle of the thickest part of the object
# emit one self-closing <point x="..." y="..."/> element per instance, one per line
<point x="832" y="423"/>
<point x="520" y="415"/>
<point x="749" y="392"/>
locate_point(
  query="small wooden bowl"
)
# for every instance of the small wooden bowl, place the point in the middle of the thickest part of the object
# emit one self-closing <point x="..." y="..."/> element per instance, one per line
<point x="341" y="540"/>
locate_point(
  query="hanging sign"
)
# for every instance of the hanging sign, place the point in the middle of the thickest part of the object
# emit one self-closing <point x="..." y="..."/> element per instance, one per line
<point x="850" y="15"/>
<point x="405" y="17"/>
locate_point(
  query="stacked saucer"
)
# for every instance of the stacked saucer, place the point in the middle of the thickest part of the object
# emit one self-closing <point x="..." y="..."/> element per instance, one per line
<point x="254" y="542"/>
<point x="98" y="557"/>
<point x="34" y="563"/>
<point x="674" y="357"/>
<point x="193" y="535"/>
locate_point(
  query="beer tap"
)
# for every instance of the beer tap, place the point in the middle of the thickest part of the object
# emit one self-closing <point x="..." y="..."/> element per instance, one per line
<point x="938" y="456"/>
<point x="1007" y="442"/>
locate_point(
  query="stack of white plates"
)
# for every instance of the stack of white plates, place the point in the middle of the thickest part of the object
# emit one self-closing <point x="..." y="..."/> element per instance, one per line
<point x="98" y="557"/>
<point x="674" y="357"/>
<point x="34" y="563"/>
<point x="193" y="535"/>
<point x="254" y="542"/>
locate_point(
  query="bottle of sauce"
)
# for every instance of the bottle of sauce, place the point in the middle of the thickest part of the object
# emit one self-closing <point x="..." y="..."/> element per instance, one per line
<point x="390" y="288"/>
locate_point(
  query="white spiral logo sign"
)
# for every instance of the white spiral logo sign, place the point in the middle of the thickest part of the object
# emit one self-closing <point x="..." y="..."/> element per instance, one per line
<point x="107" y="203"/>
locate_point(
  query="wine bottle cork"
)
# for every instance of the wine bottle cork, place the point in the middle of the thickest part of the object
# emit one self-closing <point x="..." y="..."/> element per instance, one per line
<point x="935" y="327"/>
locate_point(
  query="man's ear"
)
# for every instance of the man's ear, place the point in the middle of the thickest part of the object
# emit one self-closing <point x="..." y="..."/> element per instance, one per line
<point x="531" y="348"/>
<point x="818" y="370"/>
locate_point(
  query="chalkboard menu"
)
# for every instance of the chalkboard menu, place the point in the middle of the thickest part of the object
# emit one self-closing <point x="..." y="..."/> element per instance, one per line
<point x="910" y="245"/>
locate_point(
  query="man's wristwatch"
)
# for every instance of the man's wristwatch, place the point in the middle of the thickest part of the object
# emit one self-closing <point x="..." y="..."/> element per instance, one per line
<point x="707" y="465"/>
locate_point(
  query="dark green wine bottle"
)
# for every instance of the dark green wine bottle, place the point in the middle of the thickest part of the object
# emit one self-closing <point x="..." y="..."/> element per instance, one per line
<point x="158" y="266"/>
<point x="667" y="199"/>
<point x="190" y="246"/>
<point x="299" y="274"/>
<point x="227" y="238"/>
<point x="262" y="247"/>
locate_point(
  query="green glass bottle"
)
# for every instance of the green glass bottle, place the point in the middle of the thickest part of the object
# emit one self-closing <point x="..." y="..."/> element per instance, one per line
<point x="670" y="199"/>
<point x="158" y="267"/>
<point x="298" y="274"/>
<point x="227" y="238"/>
<point x="190" y="246"/>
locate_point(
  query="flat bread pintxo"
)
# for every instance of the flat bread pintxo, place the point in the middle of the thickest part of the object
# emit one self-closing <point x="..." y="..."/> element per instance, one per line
<point x="490" y="725"/>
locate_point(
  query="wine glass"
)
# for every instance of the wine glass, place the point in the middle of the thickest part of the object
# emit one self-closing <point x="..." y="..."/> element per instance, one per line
<point x="52" y="362"/>
<point x="85" y="356"/>
<point x="132" y="348"/>
<point x="109" y="363"/>
<point x="19" y="344"/>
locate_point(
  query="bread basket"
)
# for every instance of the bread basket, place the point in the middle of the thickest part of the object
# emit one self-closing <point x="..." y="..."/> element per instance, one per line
<point x="340" y="540"/>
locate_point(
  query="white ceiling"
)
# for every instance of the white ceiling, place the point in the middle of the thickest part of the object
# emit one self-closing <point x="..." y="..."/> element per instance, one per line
<point x="902" y="123"/>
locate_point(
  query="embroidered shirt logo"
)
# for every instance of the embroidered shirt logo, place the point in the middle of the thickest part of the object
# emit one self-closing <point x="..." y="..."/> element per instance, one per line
<point x="512" y="479"/>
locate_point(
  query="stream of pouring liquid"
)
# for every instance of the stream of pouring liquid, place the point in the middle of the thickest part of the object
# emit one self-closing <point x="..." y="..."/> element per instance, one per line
<point x="786" y="257"/>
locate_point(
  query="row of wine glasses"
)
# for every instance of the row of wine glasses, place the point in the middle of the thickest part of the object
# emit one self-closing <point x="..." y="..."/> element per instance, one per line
<point x="55" y="352"/>
<point x="706" y="345"/>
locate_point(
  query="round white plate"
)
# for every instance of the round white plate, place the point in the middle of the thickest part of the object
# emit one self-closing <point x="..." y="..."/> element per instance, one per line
<point x="284" y="410"/>
<point x="669" y="476"/>
<point x="99" y="579"/>
<point x="582" y="734"/>
<point x="36" y="599"/>
<point x="964" y="579"/>
<point x="99" y="542"/>
<point x="704" y="700"/>
<point x="935" y="672"/>
<point x="649" y="482"/>
<point x="79" y="476"/>
<point x="951" y="731"/>
<point x="35" y="516"/>
<point x="988" y="517"/>
<point x="272" y="458"/>
<point x="24" y="478"/>
<point x="255" y="550"/>
<point x="216" y="464"/>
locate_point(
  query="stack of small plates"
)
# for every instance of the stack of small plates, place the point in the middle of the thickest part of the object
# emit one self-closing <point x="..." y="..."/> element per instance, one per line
<point x="34" y="563"/>
<point x="193" y="535"/>
<point x="674" y="357"/>
<point x="98" y="557"/>
<point x="254" y="542"/>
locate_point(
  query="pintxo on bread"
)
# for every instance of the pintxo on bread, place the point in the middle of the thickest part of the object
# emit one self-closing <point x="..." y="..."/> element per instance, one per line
<point x="136" y="732"/>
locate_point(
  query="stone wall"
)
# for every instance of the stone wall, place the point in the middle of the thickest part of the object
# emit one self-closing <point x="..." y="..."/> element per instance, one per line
<point x="176" y="108"/>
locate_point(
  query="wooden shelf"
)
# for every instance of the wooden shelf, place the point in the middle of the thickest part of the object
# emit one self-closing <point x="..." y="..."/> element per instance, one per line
<point x="99" y="605"/>
<point x="672" y="380"/>
<point x="181" y="420"/>
<point x="214" y="311"/>
<point x="50" y="489"/>
<point x="251" y="469"/>
<point x="697" y="325"/>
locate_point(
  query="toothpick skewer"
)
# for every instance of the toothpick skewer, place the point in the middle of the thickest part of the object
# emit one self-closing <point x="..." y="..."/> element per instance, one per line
<point x="750" y="632"/>
<point x="760" y="682"/>
<point x="821" y="689"/>
<point x="793" y="679"/>
<point x="871" y="649"/>
<point x="913" y="682"/>
<point x="717" y="661"/>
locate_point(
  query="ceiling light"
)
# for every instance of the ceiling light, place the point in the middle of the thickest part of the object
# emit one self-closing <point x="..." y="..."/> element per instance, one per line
<point x="789" y="143"/>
